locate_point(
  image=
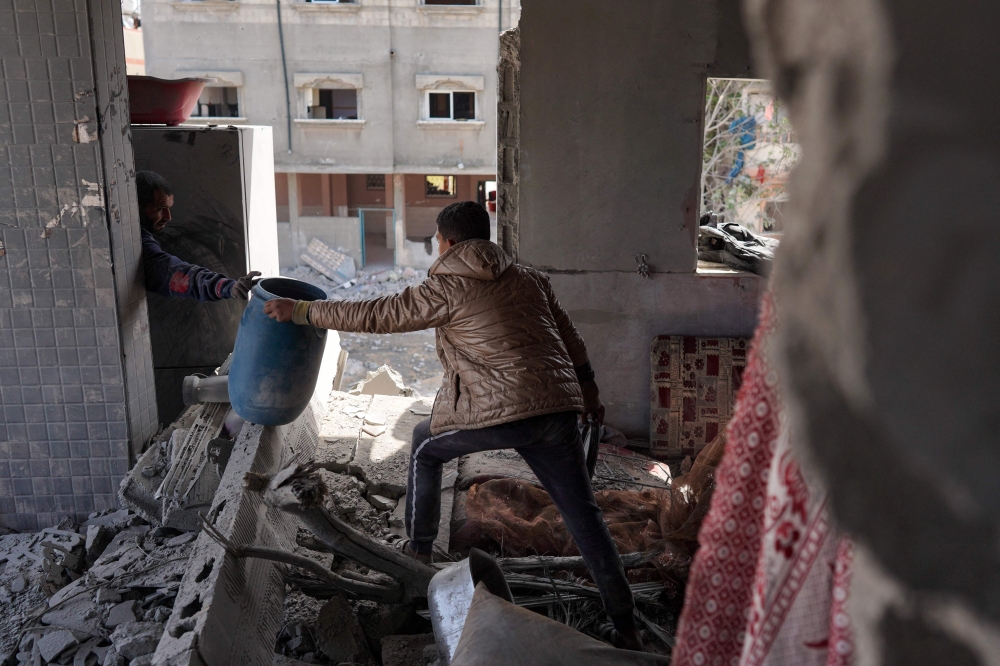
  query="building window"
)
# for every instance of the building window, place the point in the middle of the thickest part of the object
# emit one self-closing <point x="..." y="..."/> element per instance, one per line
<point x="341" y="2"/>
<point x="452" y="105"/>
<point x="375" y="181"/>
<point x="334" y="104"/>
<point x="218" y="102"/>
<point x="749" y="151"/>
<point x="440" y="186"/>
<point x="451" y="2"/>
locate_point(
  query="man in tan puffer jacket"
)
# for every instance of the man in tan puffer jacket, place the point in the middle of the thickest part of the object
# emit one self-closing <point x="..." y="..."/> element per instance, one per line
<point x="516" y="375"/>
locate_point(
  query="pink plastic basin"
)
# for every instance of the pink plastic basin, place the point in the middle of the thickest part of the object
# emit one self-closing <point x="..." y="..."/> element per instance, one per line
<point x="155" y="101"/>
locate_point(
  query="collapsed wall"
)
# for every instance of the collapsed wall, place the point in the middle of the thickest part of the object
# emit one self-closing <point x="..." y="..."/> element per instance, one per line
<point x="229" y="610"/>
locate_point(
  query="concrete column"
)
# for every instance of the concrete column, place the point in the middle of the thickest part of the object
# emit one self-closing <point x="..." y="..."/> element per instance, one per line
<point x="399" y="206"/>
<point x="324" y="188"/>
<point x="338" y="194"/>
<point x="293" y="216"/>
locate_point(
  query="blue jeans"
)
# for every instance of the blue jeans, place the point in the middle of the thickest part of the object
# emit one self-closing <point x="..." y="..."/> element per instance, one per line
<point x="551" y="446"/>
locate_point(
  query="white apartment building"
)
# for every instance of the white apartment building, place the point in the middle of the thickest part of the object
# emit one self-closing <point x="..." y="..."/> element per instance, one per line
<point x="384" y="111"/>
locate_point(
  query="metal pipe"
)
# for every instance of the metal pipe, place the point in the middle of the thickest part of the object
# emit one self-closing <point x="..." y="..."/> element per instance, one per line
<point x="284" y="70"/>
<point x="500" y="15"/>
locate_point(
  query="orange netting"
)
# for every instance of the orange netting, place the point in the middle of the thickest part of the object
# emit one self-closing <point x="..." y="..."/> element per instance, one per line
<point x="521" y="519"/>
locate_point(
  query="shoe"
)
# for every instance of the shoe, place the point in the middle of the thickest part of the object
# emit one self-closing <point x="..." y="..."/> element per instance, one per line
<point x="628" y="640"/>
<point x="404" y="546"/>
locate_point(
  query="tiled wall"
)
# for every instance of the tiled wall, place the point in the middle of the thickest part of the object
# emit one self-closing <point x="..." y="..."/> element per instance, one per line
<point x="64" y="432"/>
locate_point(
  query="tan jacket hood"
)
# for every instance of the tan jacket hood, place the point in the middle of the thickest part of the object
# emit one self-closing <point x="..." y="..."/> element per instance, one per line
<point x="476" y="259"/>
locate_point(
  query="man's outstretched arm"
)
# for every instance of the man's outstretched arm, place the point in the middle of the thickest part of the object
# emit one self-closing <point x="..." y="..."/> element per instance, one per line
<point x="413" y="309"/>
<point x="172" y="277"/>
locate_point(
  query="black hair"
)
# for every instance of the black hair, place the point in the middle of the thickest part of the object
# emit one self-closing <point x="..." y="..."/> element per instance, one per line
<point x="146" y="185"/>
<point x="464" y="221"/>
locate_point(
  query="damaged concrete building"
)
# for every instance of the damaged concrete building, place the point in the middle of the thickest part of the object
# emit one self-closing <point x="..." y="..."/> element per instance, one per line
<point x="137" y="539"/>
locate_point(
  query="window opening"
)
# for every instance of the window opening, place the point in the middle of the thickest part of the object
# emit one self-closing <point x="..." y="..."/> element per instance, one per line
<point x="452" y="105"/>
<point x="440" y="105"/>
<point x="217" y="102"/>
<point x="451" y="2"/>
<point x="749" y="151"/>
<point x="334" y="104"/>
<point x="375" y="181"/>
<point x="441" y="186"/>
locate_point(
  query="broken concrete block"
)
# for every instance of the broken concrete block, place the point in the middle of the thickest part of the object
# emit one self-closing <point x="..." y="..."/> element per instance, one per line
<point x="53" y="643"/>
<point x="339" y="431"/>
<point x="158" y="614"/>
<point x="180" y="539"/>
<point x="108" y="595"/>
<point x="338" y="634"/>
<point x="382" y="503"/>
<point x="335" y="265"/>
<point x="121" y="613"/>
<point x="191" y="480"/>
<point x="407" y="650"/>
<point x="117" y="519"/>
<point x="227" y="606"/>
<point x="142" y="660"/>
<point x="84" y="651"/>
<point x="79" y="613"/>
<point x="112" y="658"/>
<point x="98" y="538"/>
<point x="138" y="489"/>
<point x="373" y="431"/>
<point x="384" y="381"/>
<point x="134" y="639"/>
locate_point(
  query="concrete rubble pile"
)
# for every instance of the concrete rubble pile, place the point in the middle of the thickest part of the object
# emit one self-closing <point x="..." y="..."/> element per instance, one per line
<point x="201" y="564"/>
<point x="124" y="574"/>
<point x="363" y="286"/>
<point x="333" y="264"/>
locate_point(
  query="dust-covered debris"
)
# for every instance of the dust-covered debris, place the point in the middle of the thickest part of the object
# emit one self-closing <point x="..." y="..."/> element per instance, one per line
<point x="95" y="593"/>
<point x="383" y="381"/>
<point x="345" y="498"/>
<point x="365" y="285"/>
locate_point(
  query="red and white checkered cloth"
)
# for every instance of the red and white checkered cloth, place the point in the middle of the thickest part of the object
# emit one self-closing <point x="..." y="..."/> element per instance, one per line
<point x="769" y="583"/>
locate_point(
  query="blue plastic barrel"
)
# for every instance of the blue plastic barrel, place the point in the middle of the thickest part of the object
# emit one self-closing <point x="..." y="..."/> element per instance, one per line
<point x="275" y="365"/>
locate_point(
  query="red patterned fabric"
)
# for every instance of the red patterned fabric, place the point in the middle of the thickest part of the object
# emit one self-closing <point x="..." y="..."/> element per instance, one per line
<point x="694" y="386"/>
<point x="763" y="588"/>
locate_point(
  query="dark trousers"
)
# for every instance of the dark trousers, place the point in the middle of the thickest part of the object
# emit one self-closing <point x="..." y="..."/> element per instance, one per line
<point x="551" y="446"/>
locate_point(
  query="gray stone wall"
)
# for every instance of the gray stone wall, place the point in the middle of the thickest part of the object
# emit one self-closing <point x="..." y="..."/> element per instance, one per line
<point x="65" y="431"/>
<point x="601" y="151"/>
